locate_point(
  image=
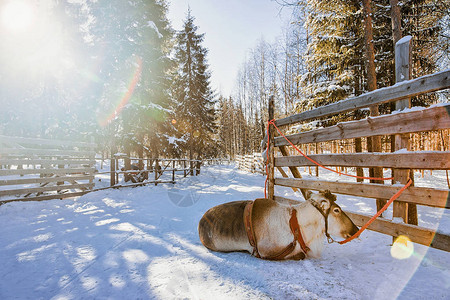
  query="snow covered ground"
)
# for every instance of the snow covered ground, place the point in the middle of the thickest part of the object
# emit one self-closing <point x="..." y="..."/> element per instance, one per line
<point x="142" y="243"/>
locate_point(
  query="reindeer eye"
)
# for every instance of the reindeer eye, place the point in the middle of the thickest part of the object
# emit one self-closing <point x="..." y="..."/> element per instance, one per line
<point x="336" y="210"/>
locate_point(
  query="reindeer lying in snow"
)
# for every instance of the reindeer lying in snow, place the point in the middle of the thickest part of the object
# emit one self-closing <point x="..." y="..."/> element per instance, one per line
<point x="275" y="231"/>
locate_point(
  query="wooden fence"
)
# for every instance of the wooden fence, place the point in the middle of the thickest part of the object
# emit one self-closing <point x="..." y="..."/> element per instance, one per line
<point x="215" y="161"/>
<point x="253" y="163"/>
<point x="41" y="169"/>
<point x="149" y="170"/>
<point x="401" y="161"/>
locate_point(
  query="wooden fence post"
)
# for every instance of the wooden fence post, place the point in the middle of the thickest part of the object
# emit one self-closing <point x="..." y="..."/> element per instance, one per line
<point x="197" y="170"/>
<point x="173" y="171"/>
<point x="408" y="212"/>
<point x="92" y="148"/>
<point x="156" y="170"/>
<point x="271" y="162"/>
<point x="112" y="169"/>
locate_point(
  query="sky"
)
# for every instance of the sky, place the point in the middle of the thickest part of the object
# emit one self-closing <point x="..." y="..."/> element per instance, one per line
<point x="232" y="28"/>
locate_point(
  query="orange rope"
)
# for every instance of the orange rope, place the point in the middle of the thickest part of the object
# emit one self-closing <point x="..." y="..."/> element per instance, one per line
<point x="377" y="214"/>
<point x="361" y="177"/>
<point x="313" y="161"/>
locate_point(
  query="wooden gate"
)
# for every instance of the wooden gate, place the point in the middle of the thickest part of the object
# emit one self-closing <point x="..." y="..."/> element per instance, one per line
<point x="399" y="124"/>
<point x="41" y="169"/>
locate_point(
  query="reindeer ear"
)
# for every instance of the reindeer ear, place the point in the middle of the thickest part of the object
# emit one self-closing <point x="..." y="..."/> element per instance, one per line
<point x="324" y="204"/>
<point x="327" y="194"/>
<point x="308" y="194"/>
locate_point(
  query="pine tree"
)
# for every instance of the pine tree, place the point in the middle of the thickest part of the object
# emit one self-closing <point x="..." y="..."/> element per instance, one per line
<point x="131" y="40"/>
<point x="421" y="19"/>
<point x="43" y="91"/>
<point x="193" y="95"/>
<point x="424" y="20"/>
<point x="334" y="56"/>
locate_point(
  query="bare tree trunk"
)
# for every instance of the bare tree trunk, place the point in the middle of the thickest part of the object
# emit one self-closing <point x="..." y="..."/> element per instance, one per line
<point x="396" y="21"/>
<point x="372" y="85"/>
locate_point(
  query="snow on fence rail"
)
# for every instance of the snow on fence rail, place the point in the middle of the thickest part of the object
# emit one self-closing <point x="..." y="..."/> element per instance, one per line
<point x="42" y="169"/>
<point x="401" y="161"/>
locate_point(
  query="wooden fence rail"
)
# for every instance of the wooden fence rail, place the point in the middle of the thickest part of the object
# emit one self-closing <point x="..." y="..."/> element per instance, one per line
<point x="399" y="124"/>
<point x="150" y="170"/>
<point x="41" y="169"/>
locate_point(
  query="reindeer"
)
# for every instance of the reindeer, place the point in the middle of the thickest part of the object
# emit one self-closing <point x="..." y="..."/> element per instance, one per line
<point x="275" y="231"/>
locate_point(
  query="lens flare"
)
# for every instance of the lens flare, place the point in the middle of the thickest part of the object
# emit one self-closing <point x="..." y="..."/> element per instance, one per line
<point x="402" y="247"/>
<point x="131" y="86"/>
<point x="174" y="121"/>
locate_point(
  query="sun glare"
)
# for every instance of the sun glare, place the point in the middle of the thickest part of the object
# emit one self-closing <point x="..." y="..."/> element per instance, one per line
<point x="34" y="40"/>
<point x="17" y="16"/>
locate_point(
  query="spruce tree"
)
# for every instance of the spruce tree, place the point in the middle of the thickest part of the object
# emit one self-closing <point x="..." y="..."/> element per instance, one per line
<point x="131" y="42"/>
<point x="424" y="21"/>
<point x="334" y="56"/>
<point x="195" y="114"/>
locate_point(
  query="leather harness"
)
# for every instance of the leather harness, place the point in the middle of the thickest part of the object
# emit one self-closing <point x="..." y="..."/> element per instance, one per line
<point x="295" y="229"/>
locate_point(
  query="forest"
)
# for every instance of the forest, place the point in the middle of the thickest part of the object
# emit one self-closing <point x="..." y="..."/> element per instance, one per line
<point x="116" y="71"/>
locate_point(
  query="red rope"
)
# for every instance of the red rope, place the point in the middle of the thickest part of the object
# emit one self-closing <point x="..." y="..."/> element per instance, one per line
<point x="313" y="161"/>
<point x="377" y="214"/>
<point x="320" y="165"/>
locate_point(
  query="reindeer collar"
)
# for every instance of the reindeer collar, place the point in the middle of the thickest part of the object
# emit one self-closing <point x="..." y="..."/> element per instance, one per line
<point x="325" y="216"/>
<point x="295" y="229"/>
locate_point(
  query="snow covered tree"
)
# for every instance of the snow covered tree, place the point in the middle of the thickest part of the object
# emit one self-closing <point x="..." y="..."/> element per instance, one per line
<point x="193" y="96"/>
<point x="334" y="56"/>
<point x="44" y="91"/>
<point x="424" y="20"/>
<point x="132" y="42"/>
<point x="421" y="19"/>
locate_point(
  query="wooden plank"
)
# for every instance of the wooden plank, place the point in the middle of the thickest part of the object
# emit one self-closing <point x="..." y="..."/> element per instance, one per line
<point x="92" y="148"/>
<point x="135" y="184"/>
<point x="46" y="171"/>
<point x="421" y="85"/>
<point x="43" y="180"/>
<point x="416" y="234"/>
<point x="283" y="173"/>
<point x="68" y="161"/>
<point x="434" y="118"/>
<point x="294" y="171"/>
<point x="45" y="142"/>
<point x="417" y="195"/>
<point x="271" y="149"/>
<point x="410" y="160"/>
<point x="46" y="197"/>
<point x="46" y="189"/>
<point x="47" y="152"/>
<point x="403" y="67"/>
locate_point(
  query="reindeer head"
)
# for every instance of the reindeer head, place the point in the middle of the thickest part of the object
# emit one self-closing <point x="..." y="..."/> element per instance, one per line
<point x="337" y="223"/>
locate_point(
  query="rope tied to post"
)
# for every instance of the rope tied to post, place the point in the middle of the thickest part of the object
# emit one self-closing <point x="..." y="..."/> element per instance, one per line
<point x="364" y="227"/>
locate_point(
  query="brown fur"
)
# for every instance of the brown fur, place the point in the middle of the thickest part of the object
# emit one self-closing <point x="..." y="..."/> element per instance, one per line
<point x="224" y="221"/>
<point x="261" y="213"/>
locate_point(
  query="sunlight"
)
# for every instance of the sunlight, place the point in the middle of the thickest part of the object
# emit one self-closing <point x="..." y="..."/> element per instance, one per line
<point x="34" y="41"/>
<point x="402" y="248"/>
<point x="17" y="16"/>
